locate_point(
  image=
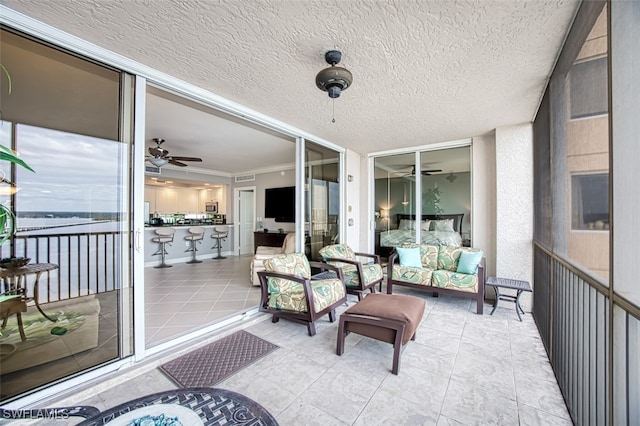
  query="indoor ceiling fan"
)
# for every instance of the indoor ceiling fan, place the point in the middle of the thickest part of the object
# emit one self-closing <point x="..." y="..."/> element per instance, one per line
<point x="160" y="156"/>
<point x="427" y="172"/>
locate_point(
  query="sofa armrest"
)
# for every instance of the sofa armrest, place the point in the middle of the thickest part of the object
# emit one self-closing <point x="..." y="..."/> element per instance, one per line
<point x="481" y="276"/>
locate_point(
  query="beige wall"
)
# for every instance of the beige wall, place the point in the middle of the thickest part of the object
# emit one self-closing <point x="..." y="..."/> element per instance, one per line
<point x="588" y="152"/>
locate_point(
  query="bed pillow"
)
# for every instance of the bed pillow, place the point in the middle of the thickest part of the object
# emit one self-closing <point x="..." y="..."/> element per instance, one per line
<point x="442" y="225"/>
<point x="469" y="261"/>
<point x="409" y="256"/>
<point x="425" y="225"/>
<point x="407" y="225"/>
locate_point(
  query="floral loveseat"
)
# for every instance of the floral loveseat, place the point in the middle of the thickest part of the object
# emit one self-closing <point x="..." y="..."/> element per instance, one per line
<point x="439" y="269"/>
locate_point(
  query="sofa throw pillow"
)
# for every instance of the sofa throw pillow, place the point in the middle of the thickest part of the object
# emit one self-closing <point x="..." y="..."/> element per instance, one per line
<point x="442" y="225"/>
<point x="409" y="256"/>
<point x="469" y="261"/>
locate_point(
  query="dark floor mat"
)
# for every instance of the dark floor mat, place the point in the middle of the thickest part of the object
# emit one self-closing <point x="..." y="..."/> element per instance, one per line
<point x="218" y="360"/>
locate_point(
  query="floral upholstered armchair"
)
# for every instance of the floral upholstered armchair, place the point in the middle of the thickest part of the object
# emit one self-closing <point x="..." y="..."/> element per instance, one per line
<point x="289" y="291"/>
<point x="359" y="277"/>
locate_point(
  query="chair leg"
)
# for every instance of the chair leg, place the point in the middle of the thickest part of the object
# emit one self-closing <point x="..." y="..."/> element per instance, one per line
<point x="20" y="326"/>
<point x="332" y="315"/>
<point x="219" y="247"/>
<point x="397" y="348"/>
<point x="275" y="319"/>
<point x="163" y="251"/>
<point x="341" y="336"/>
<point x="193" y="251"/>
<point x="312" y="328"/>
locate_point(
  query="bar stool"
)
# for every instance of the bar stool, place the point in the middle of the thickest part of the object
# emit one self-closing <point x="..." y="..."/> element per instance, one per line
<point x="220" y="234"/>
<point x="163" y="236"/>
<point x="196" y="234"/>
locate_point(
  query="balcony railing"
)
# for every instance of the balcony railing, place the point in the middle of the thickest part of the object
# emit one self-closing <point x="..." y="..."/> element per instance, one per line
<point x="572" y="311"/>
<point x="88" y="263"/>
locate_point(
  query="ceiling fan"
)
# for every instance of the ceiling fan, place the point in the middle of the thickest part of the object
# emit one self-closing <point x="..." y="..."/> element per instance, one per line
<point x="160" y="156"/>
<point x="423" y="172"/>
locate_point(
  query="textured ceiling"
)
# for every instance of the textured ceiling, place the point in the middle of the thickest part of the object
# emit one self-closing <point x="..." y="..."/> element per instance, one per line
<point x="424" y="71"/>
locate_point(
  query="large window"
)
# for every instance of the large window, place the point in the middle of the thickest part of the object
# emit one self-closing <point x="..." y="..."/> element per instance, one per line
<point x="590" y="201"/>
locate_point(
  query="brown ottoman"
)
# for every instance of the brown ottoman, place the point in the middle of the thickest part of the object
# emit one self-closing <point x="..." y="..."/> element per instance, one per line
<point x="391" y="318"/>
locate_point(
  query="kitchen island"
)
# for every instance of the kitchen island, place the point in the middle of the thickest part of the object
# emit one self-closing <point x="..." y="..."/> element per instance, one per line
<point x="178" y="251"/>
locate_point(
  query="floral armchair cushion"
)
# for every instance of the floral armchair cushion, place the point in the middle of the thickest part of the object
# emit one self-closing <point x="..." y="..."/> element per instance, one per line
<point x="289" y="295"/>
<point x="370" y="272"/>
<point x="342" y="251"/>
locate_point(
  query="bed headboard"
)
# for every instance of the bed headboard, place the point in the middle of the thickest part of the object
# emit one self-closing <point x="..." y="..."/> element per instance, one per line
<point x="457" y="219"/>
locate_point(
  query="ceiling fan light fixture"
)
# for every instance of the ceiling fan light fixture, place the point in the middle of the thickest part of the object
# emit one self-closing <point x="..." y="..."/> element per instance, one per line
<point x="451" y="178"/>
<point x="158" y="162"/>
<point x="333" y="79"/>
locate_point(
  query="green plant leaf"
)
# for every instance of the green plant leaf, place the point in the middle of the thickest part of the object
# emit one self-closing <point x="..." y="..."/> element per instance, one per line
<point x="6" y="72"/>
<point x="7" y="223"/>
<point x="8" y="155"/>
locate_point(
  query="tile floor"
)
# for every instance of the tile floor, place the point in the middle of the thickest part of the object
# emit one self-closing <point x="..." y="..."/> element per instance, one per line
<point x="463" y="369"/>
<point x="187" y="297"/>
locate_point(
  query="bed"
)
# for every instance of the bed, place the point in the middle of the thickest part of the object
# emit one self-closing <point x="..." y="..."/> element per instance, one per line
<point x="441" y="229"/>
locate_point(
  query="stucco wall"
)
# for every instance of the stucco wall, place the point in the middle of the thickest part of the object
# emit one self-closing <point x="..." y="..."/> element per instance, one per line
<point x="353" y="200"/>
<point x="483" y="198"/>
<point x="514" y="202"/>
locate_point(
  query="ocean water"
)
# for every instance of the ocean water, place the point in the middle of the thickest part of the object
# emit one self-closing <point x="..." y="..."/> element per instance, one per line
<point x="65" y="225"/>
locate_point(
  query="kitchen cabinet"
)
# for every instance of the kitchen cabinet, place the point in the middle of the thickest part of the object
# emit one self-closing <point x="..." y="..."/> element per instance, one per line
<point x="187" y="200"/>
<point x="151" y="195"/>
<point x="167" y="200"/>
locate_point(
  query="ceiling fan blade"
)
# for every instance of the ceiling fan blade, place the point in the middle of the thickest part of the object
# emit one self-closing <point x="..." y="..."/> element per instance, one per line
<point x="186" y="158"/>
<point x="177" y="163"/>
<point x="428" y="172"/>
<point x="424" y="172"/>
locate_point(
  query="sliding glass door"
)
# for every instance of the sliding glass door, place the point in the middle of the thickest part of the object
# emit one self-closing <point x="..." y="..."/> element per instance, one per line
<point x="322" y="198"/>
<point x="61" y="114"/>
<point x="416" y="195"/>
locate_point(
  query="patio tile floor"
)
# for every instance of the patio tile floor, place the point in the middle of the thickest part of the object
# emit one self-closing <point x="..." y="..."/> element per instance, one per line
<point x="463" y="369"/>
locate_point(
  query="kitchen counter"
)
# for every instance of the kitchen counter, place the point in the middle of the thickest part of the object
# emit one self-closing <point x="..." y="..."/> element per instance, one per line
<point x="178" y="251"/>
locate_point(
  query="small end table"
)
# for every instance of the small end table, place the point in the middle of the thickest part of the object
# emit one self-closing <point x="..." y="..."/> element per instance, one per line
<point x="518" y="285"/>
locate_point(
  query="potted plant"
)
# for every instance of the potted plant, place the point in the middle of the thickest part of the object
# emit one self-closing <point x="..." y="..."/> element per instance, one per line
<point x="431" y="201"/>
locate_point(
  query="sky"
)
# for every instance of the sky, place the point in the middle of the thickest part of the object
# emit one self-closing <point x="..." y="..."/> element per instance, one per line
<point x="72" y="172"/>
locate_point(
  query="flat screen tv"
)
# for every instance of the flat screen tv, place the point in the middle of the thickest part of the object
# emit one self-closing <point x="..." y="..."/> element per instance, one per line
<point x="280" y="204"/>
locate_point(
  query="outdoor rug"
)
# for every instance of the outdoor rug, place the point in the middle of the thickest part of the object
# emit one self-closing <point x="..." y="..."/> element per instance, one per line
<point x="218" y="360"/>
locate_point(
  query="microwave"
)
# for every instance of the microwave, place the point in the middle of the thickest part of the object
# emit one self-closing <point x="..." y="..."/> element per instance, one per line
<point x="211" y="207"/>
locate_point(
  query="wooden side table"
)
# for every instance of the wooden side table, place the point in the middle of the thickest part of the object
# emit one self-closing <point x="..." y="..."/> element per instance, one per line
<point x="518" y="285"/>
<point x="14" y="281"/>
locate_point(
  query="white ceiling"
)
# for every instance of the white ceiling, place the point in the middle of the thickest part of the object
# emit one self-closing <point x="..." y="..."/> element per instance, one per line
<point x="424" y="71"/>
